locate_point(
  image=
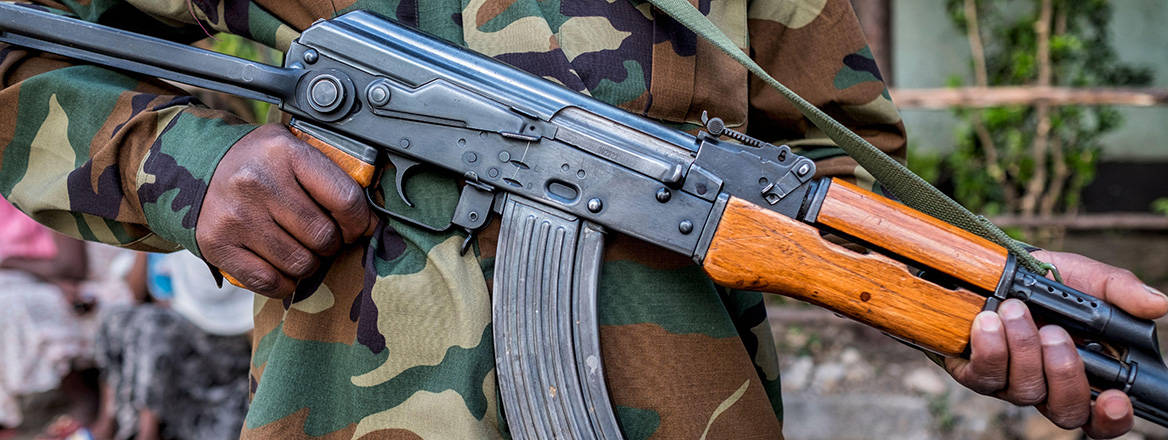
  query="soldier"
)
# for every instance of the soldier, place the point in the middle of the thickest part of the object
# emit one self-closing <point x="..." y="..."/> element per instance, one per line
<point x="396" y="341"/>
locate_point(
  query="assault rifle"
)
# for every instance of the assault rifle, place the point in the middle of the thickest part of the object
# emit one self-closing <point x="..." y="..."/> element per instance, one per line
<point x="561" y="170"/>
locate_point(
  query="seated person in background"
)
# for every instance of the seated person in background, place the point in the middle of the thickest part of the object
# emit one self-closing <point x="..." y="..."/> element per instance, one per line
<point x="176" y="365"/>
<point x="50" y="285"/>
<point x="40" y="335"/>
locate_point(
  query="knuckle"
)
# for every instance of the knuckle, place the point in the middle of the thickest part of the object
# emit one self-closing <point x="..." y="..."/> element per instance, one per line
<point x="262" y="281"/>
<point x="249" y="177"/>
<point x="352" y="198"/>
<point x="270" y="129"/>
<point x="1118" y="275"/>
<point x="216" y="251"/>
<point x="322" y="233"/>
<point x="1028" y="393"/>
<point x="300" y="263"/>
<point x="992" y="382"/>
<point x="277" y="136"/>
<point x="1063" y="368"/>
<point x="986" y="385"/>
<point x="214" y="247"/>
<point x="1027" y="342"/>
<point x="297" y="152"/>
<point x="230" y="219"/>
<point x="993" y="363"/>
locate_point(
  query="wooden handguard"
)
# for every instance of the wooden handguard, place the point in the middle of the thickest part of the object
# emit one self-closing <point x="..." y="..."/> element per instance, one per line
<point x="912" y="234"/>
<point x="758" y="249"/>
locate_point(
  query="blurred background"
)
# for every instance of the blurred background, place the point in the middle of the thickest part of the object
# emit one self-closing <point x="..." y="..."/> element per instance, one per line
<point x="1047" y="116"/>
<point x="99" y="342"/>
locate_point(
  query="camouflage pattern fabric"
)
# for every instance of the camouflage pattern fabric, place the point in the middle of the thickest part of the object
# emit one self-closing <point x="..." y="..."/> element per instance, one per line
<point x="396" y="342"/>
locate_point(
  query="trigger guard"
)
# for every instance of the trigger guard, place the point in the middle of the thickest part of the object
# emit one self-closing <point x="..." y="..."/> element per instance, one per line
<point x="377" y="207"/>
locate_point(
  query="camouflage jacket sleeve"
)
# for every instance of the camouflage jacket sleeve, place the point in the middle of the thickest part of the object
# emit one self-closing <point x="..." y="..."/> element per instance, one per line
<point x="100" y="155"/>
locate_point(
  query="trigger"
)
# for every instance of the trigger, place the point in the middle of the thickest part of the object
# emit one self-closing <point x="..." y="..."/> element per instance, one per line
<point x="402" y="167"/>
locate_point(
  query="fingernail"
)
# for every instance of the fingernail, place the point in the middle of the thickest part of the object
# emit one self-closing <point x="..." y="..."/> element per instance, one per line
<point x="1012" y="309"/>
<point x="1114" y="408"/>
<point x="987" y="322"/>
<point x="1156" y="292"/>
<point x="1053" y="335"/>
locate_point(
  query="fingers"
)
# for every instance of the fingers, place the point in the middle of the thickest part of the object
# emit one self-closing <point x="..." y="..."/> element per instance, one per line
<point x="279" y="206"/>
<point x="1011" y="358"/>
<point x="283" y="252"/>
<point x="1042" y="366"/>
<point x="1111" y="416"/>
<point x="1006" y="356"/>
<point x="1112" y="284"/>
<point x="1122" y="288"/>
<point x="1026" y="379"/>
<point x="339" y="194"/>
<point x="985" y="371"/>
<point x="256" y="274"/>
<point x="1068" y="402"/>
<point x="304" y="220"/>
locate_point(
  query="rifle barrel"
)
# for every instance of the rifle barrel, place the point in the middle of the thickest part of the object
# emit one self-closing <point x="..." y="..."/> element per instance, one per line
<point x="1146" y="383"/>
<point x="25" y="26"/>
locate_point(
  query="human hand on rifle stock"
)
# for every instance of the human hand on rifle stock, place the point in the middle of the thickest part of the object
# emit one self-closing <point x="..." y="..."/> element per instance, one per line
<point x="1015" y="360"/>
<point x="275" y="208"/>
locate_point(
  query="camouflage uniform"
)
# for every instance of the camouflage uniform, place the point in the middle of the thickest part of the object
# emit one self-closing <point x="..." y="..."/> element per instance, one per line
<point x="396" y="342"/>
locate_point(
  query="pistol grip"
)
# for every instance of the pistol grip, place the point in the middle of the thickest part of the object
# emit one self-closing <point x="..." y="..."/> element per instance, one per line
<point x="231" y="279"/>
<point x="360" y="170"/>
<point x="357" y="159"/>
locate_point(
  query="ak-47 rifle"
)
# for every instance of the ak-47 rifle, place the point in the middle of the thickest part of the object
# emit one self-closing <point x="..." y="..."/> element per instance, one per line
<point x="562" y="169"/>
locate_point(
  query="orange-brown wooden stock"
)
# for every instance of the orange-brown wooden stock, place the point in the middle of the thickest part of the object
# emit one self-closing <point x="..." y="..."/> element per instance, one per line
<point x="758" y="249"/>
<point x="912" y="234"/>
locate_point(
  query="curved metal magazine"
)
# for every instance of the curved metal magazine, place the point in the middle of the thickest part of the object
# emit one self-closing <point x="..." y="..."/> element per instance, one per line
<point x="547" y="348"/>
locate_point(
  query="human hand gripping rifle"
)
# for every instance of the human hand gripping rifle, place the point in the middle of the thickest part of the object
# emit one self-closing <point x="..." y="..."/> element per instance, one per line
<point x="561" y="170"/>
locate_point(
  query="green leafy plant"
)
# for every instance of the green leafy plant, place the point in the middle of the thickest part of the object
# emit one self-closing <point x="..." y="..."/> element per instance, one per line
<point x="1034" y="160"/>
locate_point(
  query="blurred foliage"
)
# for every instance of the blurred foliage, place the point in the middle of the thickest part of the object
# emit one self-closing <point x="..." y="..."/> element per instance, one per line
<point x="251" y="50"/>
<point x="1080" y="56"/>
<point x="942" y="412"/>
<point x="1160" y="206"/>
<point x="927" y="164"/>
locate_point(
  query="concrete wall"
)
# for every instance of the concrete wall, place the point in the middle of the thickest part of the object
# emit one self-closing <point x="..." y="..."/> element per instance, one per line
<point x="928" y="50"/>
